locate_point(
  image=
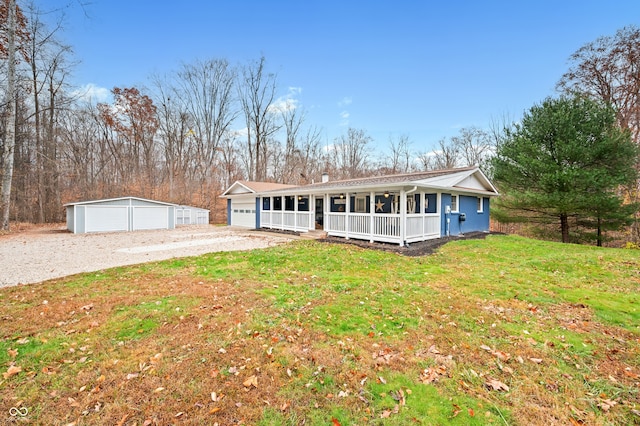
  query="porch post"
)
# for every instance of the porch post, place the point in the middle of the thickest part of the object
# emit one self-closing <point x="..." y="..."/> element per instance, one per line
<point x="326" y="207"/>
<point x="403" y="217"/>
<point x="347" y="208"/>
<point x="423" y="214"/>
<point x="295" y="212"/>
<point x="372" y="211"/>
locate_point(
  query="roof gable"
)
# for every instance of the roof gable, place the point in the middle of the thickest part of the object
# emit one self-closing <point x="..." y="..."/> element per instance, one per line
<point x="463" y="179"/>
<point x="243" y="187"/>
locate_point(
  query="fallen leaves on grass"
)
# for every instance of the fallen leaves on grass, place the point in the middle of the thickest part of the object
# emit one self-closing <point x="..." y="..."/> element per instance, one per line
<point x="606" y="404"/>
<point x="12" y="371"/>
<point x="496" y="385"/>
<point x="387" y="413"/>
<point x="251" y="381"/>
<point x="399" y="397"/>
<point x="502" y="356"/>
<point x="432" y="374"/>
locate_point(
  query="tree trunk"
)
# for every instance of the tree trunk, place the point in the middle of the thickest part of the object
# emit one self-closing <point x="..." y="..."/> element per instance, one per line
<point x="564" y="226"/>
<point x="10" y="139"/>
<point x="599" y="243"/>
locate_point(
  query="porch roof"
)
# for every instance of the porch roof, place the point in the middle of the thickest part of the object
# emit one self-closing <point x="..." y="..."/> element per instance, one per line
<point x="467" y="179"/>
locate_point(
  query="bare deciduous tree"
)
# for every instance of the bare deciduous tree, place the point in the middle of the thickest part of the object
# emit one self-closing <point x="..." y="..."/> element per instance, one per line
<point x="205" y="88"/>
<point x="257" y="92"/>
<point x="447" y="155"/>
<point x="8" y="144"/>
<point x="350" y="154"/>
<point x="400" y="156"/>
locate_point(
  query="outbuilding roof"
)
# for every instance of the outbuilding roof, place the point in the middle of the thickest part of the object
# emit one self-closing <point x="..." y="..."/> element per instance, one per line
<point x="77" y="203"/>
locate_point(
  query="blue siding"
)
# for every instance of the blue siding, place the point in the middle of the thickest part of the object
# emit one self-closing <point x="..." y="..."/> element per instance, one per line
<point x="228" y="211"/>
<point x="445" y="200"/>
<point x="475" y="221"/>
<point x="258" y="212"/>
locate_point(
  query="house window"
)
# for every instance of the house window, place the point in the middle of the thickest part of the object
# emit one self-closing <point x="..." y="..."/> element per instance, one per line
<point x="338" y="203"/>
<point x="289" y="203"/>
<point x="277" y="203"/>
<point x="361" y="204"/>
<point x="454" y="203"/>
<point x="303" y="203"/>
<point x="431" y="203"/>
<point x="480" y="205"/>
<point x="266" y="203"/>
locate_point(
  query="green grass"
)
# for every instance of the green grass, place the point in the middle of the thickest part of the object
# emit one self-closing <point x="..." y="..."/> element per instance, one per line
<point x="335" y="334"/>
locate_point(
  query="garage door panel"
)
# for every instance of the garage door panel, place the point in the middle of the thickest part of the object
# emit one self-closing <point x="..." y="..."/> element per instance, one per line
<point x="243" y="214"/>
<point x="106" y="218"/>
<point x="150" y="218"/>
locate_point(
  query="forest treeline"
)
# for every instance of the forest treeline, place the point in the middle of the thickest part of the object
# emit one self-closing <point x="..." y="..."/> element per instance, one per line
<point x="185" y="136"/>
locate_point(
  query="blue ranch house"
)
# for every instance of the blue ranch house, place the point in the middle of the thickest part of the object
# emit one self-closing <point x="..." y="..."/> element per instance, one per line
<point x="398" y="209"/>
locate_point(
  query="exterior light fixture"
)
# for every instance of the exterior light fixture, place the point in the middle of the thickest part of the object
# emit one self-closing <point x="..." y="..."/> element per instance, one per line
<point x="386" y="194"/>
<point x="341" y="196"/>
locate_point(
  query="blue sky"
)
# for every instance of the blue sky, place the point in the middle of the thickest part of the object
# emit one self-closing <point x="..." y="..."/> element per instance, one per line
<point x="418" y="68"/>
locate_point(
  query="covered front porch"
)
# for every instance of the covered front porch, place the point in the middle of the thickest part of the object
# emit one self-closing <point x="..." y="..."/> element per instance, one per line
<point x="394" y="216"/>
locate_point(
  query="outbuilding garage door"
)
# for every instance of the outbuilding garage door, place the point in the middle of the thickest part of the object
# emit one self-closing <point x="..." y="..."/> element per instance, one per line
<point x="106" y="218"/>
<point x="150" y="218"/>
<point x="243" y="214"/>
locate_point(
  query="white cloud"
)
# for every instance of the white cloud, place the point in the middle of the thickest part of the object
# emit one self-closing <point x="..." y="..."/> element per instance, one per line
<point x="347" y="100"/>
<point x="92" y="93"/>
<point x="344" y="115"/>
<point x="287" y="102"/>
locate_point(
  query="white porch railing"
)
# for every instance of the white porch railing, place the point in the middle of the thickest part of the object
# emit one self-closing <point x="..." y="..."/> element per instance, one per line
<point x="386" y="227"/>
<point x="287" y="220"/>
<point x="422" y="227"/>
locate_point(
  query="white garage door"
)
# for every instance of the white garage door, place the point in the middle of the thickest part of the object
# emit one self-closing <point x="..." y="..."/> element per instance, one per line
<point x="106" y="218"/>
<point x="243" y="214"/>
<point x="150" y="218"/>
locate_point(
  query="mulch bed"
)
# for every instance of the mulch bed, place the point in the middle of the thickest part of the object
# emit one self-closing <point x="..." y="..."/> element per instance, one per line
<point x="420" y="248"/>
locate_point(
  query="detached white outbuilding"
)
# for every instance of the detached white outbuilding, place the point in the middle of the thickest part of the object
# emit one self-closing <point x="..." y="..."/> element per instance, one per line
<point x="120" y="214"/>
<point x="189" y="215"/>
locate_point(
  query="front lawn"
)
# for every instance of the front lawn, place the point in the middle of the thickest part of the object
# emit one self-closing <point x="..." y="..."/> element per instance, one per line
<point x="505" y="331"/>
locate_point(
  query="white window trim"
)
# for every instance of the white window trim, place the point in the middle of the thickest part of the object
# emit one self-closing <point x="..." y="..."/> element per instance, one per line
<point x="481" y="201"/>
<point x="457" y="209"/>
<point x="360" y="204"/>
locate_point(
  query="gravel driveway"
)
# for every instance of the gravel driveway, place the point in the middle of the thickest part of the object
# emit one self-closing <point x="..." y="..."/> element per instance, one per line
<point x="35" y="256"/>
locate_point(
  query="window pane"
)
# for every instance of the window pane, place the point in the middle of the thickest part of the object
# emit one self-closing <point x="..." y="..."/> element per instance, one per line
<point x="303" y="203"/>
<point x="289" y="204"/>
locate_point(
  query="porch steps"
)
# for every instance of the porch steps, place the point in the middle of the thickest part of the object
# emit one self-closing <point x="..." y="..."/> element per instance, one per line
<point x="316" y="234"/>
